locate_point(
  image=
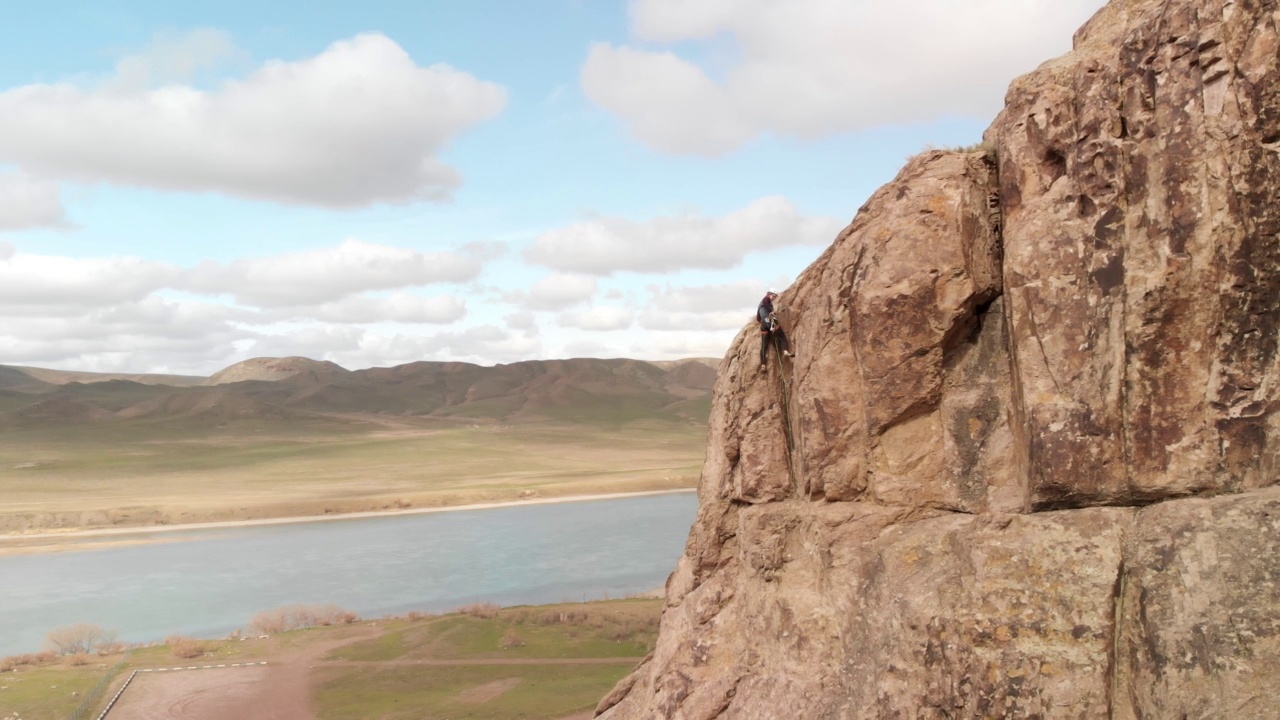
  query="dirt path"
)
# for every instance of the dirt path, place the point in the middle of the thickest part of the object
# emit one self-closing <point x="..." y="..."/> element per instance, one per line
<point x="485" y="661"/>
<point x="188" y="694"/>
<point x="278" y="691"/>
<point x="283" y="689"/>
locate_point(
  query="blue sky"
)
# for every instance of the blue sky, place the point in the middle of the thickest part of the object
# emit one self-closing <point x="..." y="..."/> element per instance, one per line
<point x="183" y="186"/>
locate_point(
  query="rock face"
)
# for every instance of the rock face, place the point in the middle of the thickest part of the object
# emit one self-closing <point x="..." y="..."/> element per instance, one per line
<point x="1023" y="464"/>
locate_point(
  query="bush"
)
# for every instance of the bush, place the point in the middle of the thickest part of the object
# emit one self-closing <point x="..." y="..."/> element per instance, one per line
<point x="111" y="648"/>
<point x="80" y="638"/>
<point x="298" y="617"/>
<point x="511" y="639"/>
<point x="563" y="617"/>
<point x="185" y="647"/>
<point x="520" y="616"/>
<point x="484" y="611"/>
<point x="28" y="659"/>
<point x="78" y="659"/>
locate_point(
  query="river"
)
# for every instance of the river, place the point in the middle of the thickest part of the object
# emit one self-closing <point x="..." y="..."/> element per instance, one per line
<point x="207" y="583"/>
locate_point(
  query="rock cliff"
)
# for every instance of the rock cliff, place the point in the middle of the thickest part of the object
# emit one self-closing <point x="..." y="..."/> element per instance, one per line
<point x="1024" y="463"/>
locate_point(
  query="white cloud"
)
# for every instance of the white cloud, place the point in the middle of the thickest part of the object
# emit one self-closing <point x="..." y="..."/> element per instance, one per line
<point x="590" y="348"/>
<point x="318" y="276"/>
<point x="150" y="335"/>
<point x="356" y="348"/>
<point x="321" y="343"/>
<point x="607" y="245"/>
<point x="484" y="343"/>
<point x="600" y="318"/>
<point x="118" y="314"/>
<point x="151" y="317"/>
<point x="682" y="345"/>
<point x="669" y="102"/>
<point x="167" y="317"/>
<point x="28" y="202"/>
<point x="707" y="298"/>
<point x="693" y="321"/>
<point x="162" y="335"/>
<point x="398" y="308"/>
<point x="559" y="291"/>
<point x="28" y="281"/>
<point x="810" y="68"/>
<point x="523" y="320"/>
<point x="175" y="57"/>
<point x="701" y="308"/>
<point x="358" y="124"/>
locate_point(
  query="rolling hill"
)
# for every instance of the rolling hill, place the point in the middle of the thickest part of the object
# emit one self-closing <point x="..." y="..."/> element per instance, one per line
<point x="63" y="377"/>
<point x="581" y="390"/>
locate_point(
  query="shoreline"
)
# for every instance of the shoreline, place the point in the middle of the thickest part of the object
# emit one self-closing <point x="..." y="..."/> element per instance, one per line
<point x="222" y="524"/>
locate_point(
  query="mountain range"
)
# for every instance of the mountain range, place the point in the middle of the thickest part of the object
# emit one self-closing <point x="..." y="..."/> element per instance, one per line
<point x="298" y="388"/>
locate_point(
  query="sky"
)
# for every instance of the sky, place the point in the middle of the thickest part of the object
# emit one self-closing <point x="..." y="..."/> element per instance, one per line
<point x="187" y="185"/>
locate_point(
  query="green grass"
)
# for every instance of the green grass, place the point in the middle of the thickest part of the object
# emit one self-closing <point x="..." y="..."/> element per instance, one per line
<point x="390" y="646"/>
<point x="423" y="668"/>
<point x="471" y="638"/>
<point x="388" y="683"/>
<point x="216" y="651"/>
<point x="605" y="629"/>
<point x="47" y="693"/>
<point x="543" y="692"/>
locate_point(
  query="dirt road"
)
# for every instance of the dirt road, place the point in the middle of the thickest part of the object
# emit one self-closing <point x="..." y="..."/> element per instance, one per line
<point x="278" y="691"/>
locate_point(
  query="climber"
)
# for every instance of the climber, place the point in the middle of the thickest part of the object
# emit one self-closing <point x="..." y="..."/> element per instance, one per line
<point x="770" y="330"/>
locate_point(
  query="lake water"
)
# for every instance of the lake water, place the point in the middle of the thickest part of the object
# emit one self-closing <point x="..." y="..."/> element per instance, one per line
<point x="210" y="582"/>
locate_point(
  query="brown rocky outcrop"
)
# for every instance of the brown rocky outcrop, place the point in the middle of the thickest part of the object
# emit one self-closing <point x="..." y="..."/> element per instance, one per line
<point x="1023" y="463"/>
<point x="271" y="369"/>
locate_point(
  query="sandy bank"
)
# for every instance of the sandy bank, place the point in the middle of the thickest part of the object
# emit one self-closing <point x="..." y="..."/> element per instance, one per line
<point x="19" y="541"/>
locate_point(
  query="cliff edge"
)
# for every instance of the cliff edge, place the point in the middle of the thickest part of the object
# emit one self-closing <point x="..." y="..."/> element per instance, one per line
<point x="1025" y="463"/>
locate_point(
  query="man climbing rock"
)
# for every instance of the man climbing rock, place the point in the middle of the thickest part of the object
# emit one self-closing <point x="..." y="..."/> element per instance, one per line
<point x="770" y="331"/>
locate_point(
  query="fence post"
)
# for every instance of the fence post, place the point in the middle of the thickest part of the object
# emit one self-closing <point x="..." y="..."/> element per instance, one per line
<point x="94" y="695"/>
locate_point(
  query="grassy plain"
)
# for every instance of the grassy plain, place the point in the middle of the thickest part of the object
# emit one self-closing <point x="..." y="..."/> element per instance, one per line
<point x="115" y="475"/>
<point x="48" y="692"/>
<point x="532" y="663"/>
<point x="463" y="666"/>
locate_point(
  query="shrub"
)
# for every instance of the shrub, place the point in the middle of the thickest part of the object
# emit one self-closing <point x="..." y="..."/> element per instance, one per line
<point x="78" y="659"/>
<point x="111" y="648"/>
<point x="28" y="659"/>
<point x="563" y="617"/>
<point x="511" y="639"/>
<point x="297" y="617"/>
<point x="185" y="647"/>
<point x="484" y="611"/>
<point x="79" y="638"/>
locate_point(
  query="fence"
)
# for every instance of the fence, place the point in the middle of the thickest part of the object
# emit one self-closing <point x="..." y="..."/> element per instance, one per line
<point x="84" y="712"/>
<point x="94" y="696"/>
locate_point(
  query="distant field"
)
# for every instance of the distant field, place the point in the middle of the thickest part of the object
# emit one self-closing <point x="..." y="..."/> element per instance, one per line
<point x="535" y="663"/>
<point x="87" y="476"/>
